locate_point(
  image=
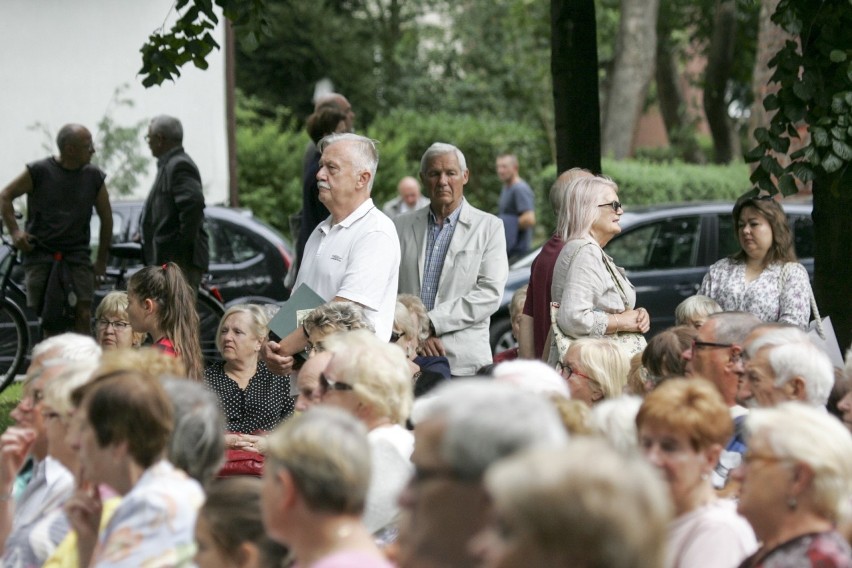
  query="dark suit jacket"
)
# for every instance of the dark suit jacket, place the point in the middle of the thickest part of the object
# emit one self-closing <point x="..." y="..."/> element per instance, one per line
<point x="173" y="217"/>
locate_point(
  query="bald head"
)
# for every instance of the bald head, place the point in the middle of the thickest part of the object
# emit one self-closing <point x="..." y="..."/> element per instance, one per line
<point x="409" y="191"/>
<point x="75" y="145"/>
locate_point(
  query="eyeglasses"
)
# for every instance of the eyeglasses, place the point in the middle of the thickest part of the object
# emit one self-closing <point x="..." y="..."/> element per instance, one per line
<point x="116" y="325"/>
<point x="422" y="475"/>
<point x="50" y="415"/>
<point x="710" y="345"/>
<point x="33" y="396"/>
<point x="566" y="371"/>
<point x="616" y="205"/>
<point x="328" y="384"/>
<point x="395" y="336"/>
<point x="752" y="457"/>
<point x="311" y="347"/>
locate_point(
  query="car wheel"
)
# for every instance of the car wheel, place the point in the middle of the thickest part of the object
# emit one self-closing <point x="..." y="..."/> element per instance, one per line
<point x="501" y="336"/>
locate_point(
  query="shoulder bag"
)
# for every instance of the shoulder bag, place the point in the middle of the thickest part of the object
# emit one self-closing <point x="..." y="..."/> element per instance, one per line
<point x="632" y="342"/>
<point x="820" y="331"/>
<point x="559" y="342"/>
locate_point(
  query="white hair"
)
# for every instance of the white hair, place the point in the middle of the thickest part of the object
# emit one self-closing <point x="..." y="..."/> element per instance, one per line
<point x="486" y="421"/>
<point x="439" y="149"/>
<point x="532" y="376"/>
<point x="365" y="156"/>
<point x="791" y="354"/>
<point x="68" y="346"/>
<point x="615" y="419"/>
<point x="804" y="434"/>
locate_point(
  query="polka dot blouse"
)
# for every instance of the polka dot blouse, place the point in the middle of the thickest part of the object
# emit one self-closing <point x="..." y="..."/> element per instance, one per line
<point x="264" y="403"/>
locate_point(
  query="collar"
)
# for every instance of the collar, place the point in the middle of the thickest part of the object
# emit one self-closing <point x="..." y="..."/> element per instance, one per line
<point x="54" y="471"/>
<point x="347" y="221"/>
<point x="168" y="155"/>
<point x="452" y="218"/>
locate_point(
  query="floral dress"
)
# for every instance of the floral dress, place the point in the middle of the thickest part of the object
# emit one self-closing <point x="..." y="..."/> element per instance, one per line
<point x="777" y="294"/>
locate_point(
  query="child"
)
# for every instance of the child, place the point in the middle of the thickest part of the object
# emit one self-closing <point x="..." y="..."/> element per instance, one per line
<point x="162" y="304"/>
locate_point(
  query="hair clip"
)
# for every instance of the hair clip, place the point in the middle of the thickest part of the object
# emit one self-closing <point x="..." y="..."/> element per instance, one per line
<point x="164" y="267"/>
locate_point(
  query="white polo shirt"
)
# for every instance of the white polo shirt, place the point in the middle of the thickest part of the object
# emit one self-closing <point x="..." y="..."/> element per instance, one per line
<point x="356" y="259"/>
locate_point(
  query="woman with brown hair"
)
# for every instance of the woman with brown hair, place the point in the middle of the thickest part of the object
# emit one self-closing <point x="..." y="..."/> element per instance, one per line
<point x="764" y="277"/>
<point x="683" y="427"/>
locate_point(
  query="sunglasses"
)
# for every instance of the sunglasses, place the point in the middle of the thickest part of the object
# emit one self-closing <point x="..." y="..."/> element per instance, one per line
<point x="395" y="336"/>
<point x="616" y="205"/>
<point x="327" y="384"/>
<point x="709" y="345"/>
<point x="567" y="371"/>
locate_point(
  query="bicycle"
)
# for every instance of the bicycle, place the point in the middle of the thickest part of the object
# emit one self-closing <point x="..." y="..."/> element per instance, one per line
<point x="15" y="334"/>
<point x="209" y="303"/>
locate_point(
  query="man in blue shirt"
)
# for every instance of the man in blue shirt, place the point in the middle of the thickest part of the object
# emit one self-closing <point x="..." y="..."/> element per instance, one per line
<point x="517" y="207"/>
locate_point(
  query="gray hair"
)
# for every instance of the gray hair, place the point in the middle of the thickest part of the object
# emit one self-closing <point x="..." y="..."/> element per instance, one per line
<point x="168" y="127"/>
<point x="695" y="307"/>
<point x="326" y="452"/>
<point x="259" y="321"/>
<point x="486" y="421"/>
<point x="615" y="419"/>
<point x="365" y="156"/>
<point x="733" y="327"/>
<point x="68" y="346"/>
<point x="57" y="391"/>
<point x="69" y="134"/>
<point x="439" y="149"/>
<point x="559" y="196"/>
<point x="197" y="444"/>
<point x="564" y="502"/>
<point x="808" y="435"/>
<point x="791" y="354"/>
<point x="532" y="376"/>
<point x="584" y="195"/>
<point x="338" y="316"/>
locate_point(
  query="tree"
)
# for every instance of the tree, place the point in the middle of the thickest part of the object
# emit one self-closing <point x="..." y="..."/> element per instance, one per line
<point x="633" y="69"/>
<point x="814" y="79"/>
<point x="574" y="64"/>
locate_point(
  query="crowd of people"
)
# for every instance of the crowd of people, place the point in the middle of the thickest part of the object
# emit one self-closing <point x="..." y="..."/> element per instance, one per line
<point x="380" y="432"/>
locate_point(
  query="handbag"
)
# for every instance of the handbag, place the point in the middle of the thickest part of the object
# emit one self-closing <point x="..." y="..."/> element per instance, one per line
<point x="242" y="462"/>
<point x="559" y="342"/>
<point x="820" y="331"/>
<point x="631" y="342"/>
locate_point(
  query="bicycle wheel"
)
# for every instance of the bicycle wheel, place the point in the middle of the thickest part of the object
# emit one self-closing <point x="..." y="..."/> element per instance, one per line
<point x="210" y="312"/>
<point x="14" y="342"/>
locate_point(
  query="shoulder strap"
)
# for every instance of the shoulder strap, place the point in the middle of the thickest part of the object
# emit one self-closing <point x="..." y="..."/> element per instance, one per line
<point x="785" y="271"/>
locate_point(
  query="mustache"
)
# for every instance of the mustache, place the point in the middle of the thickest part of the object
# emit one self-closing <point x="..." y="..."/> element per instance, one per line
<point x="323" y="185"/>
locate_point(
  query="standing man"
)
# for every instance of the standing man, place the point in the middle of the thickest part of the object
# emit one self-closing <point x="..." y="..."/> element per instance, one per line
<point x="173" y="218"/>
<point x="409" y="198"/>
<point x="353" y="255"/>
<point x="61" y="192"/>
<point x="454" y="258"/>
<point x="517" y="207"/>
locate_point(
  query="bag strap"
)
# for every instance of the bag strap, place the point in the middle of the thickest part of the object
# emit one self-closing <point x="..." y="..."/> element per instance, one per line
<point x="785" y="270"/>
<point x="615" y="279"/>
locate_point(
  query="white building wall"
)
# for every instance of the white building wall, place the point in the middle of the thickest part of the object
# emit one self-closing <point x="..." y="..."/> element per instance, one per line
<point x="61" y="60"/>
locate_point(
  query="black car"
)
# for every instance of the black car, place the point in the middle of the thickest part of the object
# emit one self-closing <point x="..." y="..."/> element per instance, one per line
<point x="666" y="250"/>
<point x="249" y="260"/>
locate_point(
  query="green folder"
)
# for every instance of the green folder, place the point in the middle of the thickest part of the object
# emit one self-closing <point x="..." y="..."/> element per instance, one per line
<point x="294" y="311"/>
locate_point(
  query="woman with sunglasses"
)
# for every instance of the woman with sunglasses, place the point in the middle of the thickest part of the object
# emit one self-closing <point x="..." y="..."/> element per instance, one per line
<point x="595" y="369"/>
<point x="796" y="485"/>
<point x="369" y="378"/>
<point x="595" y="297"/>
<point x="763" y="277"/>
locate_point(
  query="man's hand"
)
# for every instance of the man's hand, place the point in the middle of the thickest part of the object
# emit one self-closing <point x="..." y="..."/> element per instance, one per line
<point x="434" y="347"/>
<point x="100" y="269"/>
<point x="276" y="360"/>
<point x="15" y="445"/>
<point x="21" y="240"/>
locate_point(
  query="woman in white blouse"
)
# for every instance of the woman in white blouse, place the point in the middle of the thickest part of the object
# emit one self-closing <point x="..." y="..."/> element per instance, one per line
<point x="763" y="277"/>
<point x="595" y="297"/>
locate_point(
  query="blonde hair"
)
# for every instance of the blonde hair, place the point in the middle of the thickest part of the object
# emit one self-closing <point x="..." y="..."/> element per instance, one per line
<point x="697" y="306"/>
<point x="148" y="360"/>
<point x="377" y="370"/>
<point x="417" y="309"/>
<point x="582" y="204"/>
<point x="57" y="391"/>
<point x="604" y="362"/>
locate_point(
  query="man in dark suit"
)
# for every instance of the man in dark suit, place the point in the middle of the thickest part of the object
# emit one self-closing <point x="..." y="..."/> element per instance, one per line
<point x="173" y="217"/>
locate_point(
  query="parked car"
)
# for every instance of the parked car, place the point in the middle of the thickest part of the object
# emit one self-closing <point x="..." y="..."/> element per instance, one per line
<point x="666" y="250"/>
<point x="249" y="260"/>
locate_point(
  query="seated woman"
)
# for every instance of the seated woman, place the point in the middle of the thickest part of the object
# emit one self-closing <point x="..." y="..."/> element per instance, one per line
<point x="330" y="318"/>
<point x="426" y="372"/>
<point x="120" y="432"/>
<point x="695" y="310"/>
<point x="369" y="378"/>
<point x="595" y="369"/>
<point x="662" y="358"/>
<point x="796" y="483"/>
<point x="253" y="399"/>
<point x="112" y="324"/>
<point x="683" y="427"/>
<point x="229" y="530"/>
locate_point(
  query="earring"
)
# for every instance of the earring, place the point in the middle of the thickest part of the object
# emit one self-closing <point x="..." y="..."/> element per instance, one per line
<point x="792" y="503"/>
